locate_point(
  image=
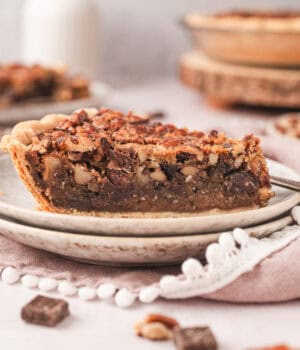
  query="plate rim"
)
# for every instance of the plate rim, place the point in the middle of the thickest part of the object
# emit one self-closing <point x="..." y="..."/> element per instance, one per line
<point x="74" y="245"/>
<point x="80" y="235"/>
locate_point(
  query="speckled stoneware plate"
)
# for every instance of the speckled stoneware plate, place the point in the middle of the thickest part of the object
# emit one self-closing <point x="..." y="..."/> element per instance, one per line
<point x="123" y="251"/>
<point x="17" y="203"/>
<point x="34" y="110"/>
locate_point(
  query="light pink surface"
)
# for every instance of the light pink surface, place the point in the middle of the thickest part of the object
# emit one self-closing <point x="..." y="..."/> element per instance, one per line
<point x="102" y="325"/>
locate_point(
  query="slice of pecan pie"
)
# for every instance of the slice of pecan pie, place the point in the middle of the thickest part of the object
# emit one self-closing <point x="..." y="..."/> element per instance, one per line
<point x="104" y="162"/>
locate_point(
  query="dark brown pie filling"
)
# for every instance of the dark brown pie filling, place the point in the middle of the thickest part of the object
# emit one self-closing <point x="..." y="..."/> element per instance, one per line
<point x="216" y="187"/>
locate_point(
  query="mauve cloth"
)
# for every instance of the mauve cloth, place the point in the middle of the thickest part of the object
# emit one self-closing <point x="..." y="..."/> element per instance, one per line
<point x="276" y="278"/>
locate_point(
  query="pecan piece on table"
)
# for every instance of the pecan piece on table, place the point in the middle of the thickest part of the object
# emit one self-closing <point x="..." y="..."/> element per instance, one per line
<point x="156" y="327"/>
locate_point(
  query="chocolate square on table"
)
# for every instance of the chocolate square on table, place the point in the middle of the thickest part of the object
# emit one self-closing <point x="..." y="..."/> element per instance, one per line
<point x="194" y="338"/>
<point x="45" y="311"/>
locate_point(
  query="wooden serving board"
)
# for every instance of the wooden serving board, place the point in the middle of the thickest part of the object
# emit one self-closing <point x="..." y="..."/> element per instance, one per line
<point x="241" y="84"/>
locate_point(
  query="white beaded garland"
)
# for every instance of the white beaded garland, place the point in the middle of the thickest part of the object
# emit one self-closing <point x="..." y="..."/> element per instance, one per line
<point x="214" y="254"/>
<point x="296" y="214"/>
<point x="106" y="290"/>
<point x="227" y="243"/>
<point x="10" y="275"/>
<point x="87" y="293"/>
<point x="168" y="282"/>
<point x="47" y="284"/>
<point x="149" y="294"/>
<point x="67" y="288"/>
<point x="124" y="298"/>
<point x="192" y="268"/>
<point x="241" y="236"/>
<point x="30" y="281"/>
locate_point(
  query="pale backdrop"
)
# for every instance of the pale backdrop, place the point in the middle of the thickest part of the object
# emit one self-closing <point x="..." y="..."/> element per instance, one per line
<point x="142" y="37"/>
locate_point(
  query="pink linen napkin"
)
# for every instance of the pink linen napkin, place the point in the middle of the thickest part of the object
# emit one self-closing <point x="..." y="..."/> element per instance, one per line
<point x="276" y="278"/>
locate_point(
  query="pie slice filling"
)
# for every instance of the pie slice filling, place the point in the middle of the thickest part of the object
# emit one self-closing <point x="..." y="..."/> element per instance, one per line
<point x="94" y="162"/>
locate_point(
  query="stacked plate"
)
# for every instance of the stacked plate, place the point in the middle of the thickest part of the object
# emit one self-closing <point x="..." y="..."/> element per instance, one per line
<point x="132" y="241"/>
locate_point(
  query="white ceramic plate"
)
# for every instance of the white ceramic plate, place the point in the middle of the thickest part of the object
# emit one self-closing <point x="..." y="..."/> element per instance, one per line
<point x="35" y="110"/>
<point x="122" y="251"/>
<point x="17" y="203"/>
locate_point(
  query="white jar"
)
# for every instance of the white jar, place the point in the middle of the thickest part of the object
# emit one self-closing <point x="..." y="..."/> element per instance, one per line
<point x="62" y="32"/>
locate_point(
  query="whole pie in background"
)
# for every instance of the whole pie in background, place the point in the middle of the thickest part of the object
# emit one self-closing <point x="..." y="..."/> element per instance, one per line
<point x="248" y="37"/>
<point x="245" y="57"/>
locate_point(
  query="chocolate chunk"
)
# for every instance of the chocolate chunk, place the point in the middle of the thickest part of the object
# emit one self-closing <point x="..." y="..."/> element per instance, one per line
<point x="118" y="177"/>
<point x="240" y="181"/>
<point x="45" y="311"/>
<point x="170" y="170"/>
<point x="185" y="156"/>
<point x="195" y="338"/>
<point x="214" y="133"/>
<point x="125" y="161"/>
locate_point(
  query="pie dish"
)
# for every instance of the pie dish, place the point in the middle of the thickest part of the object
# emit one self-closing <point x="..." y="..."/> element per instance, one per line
<point x="23" y="83"/>
<point x="103" y="162"/>
<point x="249" y="37"/>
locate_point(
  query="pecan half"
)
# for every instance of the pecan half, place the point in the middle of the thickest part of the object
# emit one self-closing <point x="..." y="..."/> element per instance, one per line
<point x="156" y="327"/>
<point x="166" y="320"/>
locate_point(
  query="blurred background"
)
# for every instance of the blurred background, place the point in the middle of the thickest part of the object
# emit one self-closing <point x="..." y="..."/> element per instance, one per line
<point x="140" y="39"/>
<point x="128" y="52"/>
